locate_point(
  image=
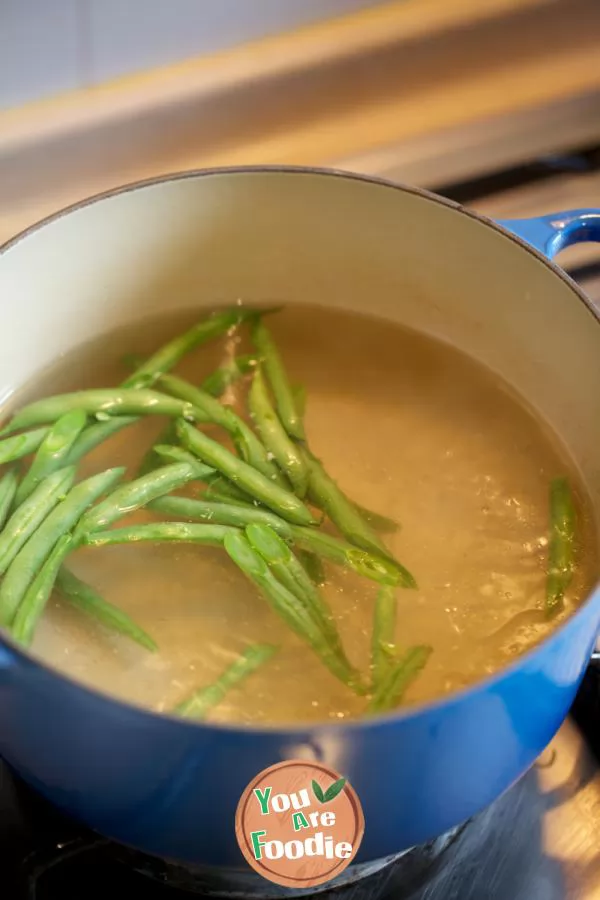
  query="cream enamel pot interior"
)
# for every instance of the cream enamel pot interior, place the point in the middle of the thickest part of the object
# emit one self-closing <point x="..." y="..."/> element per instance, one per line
<point x="171" y="787"/>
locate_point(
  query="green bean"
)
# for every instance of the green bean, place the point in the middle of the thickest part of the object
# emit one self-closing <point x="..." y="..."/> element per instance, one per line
<point x="384" y="630"/>
<point x="391" y="690"/>
<point x="38" y="594"/>
<point x="278" y="379"/>
<point x="32" y="512"/>
<point x="299" y="394"/>
<point x="325" y="493"/>
<point x="203" y="700"/>
<point x="172" y="352"/>
<point x="219" y="513"/>
<point x="96" y="434"/>
<point x="135" y="494"/>
<point x="161" y="533"/>
<point x="149" y="371"/>
<point x="223" y="487"/>
<point x="217" y="383"/>
<point x="132" y="361"/>
<point x="172" y="453"/>
<point x="286" y="605"/>
<point x="34" y="553"/>
<point x="313" y="565"/>
<point x="276" y="498"/>
<point x="247" y="444"/>
<point x="20" y="445"/>
<point x="8" y="489"/>
<point x="219" y="488"/>
<point x="561" y="544"/>
<point x="378" y="568"/>
<point x="87" y="600"/>
<point x="212" y="408"/>
<point x="289" y="571"/>
<point x="276" y="561"/>
<point x="110" y="401"/>
<point x="53" y="452"/>
<point x="380" y="523"/>
<point x="162" y="361"/>
<point x="275" y="437"/>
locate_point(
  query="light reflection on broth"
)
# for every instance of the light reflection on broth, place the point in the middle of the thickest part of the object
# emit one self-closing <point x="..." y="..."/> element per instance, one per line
<point x="408" y="427"/>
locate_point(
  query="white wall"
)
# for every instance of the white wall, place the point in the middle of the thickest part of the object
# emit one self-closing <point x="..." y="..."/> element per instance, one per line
<point x="49" y="46"/>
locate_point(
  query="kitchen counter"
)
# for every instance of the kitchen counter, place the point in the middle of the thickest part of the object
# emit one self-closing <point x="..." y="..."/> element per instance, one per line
<point x="422" y="91"/>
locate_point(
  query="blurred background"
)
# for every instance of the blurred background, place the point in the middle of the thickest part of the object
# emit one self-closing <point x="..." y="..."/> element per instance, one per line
<point x="495" y="103"/>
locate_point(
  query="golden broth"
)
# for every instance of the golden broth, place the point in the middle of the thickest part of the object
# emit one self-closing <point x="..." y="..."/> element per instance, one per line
<point x="408" y="427"/>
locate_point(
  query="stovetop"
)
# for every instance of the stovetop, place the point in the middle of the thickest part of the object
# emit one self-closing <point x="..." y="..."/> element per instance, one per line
<point x="540" y="841"/>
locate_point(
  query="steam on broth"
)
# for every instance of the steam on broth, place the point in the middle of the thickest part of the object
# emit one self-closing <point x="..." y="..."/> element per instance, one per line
<point x="408" y="428"/>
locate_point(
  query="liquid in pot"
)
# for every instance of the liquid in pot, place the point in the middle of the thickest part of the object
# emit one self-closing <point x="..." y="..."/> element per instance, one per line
<point x="408" y="427"/>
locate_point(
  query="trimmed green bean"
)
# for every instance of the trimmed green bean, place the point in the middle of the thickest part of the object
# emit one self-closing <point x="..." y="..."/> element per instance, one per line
<point x="35" y="551"/>
<point x="135" y="494"/>
<point x="53" y="452"/>
<point x="289" y="572"/>
<point x="218" y="381"/>
<point x="8" y="489"/>
<point x="378" y="568"/>
<point x="215" y="385"/>
<point x="149" y="371"/>
<point x="132" y="361"/>
<point x="161" y="533"/>
<point x="219" y="488"/>
<point x="299" y="394"/>
<point x="172" y="453"/>
<point x="561" y="544"/>
<point x="246" y="442"/>
<point x="20" y="445"/>
<point x="216" y="325"/>
<point x="286" y="605"/>
<point x="102" y="401"/>
<point x="275" y="437"/>
<point x="380" y="523"/>
<point x="313" y="565"/>
<point x="219" y="513"/>
<point x="38" y="594"/>
<point x="212" y="408"/>
<point x="278" y="379"/>
<point x="326" y="494"/>
<point x="384" y="632"/>
<point x="242" y="475"/>
<point x="83" y="597"/>
<point x="96" y="434"/>
<point x="29" y="516"/>
<point x="204" y="699"/>
<point x="391" y="690"/>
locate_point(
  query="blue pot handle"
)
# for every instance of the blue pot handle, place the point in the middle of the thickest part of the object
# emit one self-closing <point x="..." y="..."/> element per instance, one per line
<point x="551" y="234"/>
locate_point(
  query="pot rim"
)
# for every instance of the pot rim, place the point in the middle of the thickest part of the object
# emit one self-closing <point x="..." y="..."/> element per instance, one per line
<point x="322" y="727"/>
